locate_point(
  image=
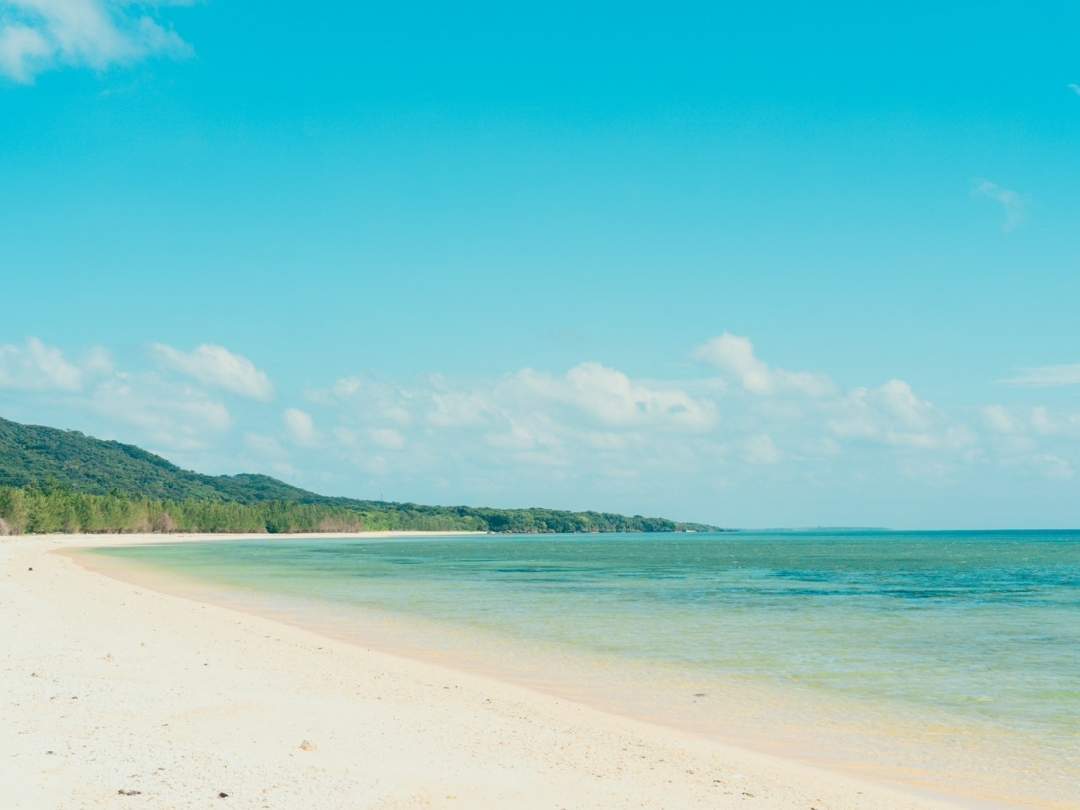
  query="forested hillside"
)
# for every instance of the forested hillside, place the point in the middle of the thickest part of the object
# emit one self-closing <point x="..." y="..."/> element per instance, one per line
<point x="58" y="480"/>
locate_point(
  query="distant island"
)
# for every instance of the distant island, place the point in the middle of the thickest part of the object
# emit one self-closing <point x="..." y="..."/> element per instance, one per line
<point x="55" y="480"/>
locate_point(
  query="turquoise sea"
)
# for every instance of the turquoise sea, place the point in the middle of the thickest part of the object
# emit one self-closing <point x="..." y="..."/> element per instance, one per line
<point x="977" y="633"/>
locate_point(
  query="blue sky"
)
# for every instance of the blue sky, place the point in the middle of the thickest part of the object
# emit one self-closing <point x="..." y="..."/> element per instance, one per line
<point x="781" y="265"/>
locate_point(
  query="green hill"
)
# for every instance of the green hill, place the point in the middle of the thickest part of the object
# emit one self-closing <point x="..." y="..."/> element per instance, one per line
<point x="33" y="455"/>
<point x="63" y="480"/>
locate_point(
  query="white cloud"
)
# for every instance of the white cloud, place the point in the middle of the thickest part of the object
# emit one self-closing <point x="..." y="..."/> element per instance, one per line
<point x="35" y="366"/>
<point x="998" y="419"/>
<point x="534" y="435"/>
<point x="1034" y="440"/>
<point x="1012" y="203"/>
<point x="1052" y="466"/>
<point x="345" y="436"/>
<point x="734" y="355"/>
<point x="300" y="425"/>
<point x="266" y="446"/>
<point x="1075" y="88"/>
<point x="347" y="387"/>
<point x="40" y="35"/>
<point x="374" y="465"/>
<point x="1041" y="420"/>
<point x="594" y="419"/>
<point x="458" y="409"/>
<point x="217" y="366"/>
<point x="1064" y="425"/>
<point x="612" y="398"/>
<point x="516" y="437"/>
<point x="1025" y="426"/>
<point x="21" y="46"/>
<point x="533" y="418"/>
<point x="605" y="440"/>
<point x="99" y="361"/>
<point x="761" y="449"/>
<point x="371" y="399"/>
<point x="388" y="438"/>
<point x="177" y="416"/>
<point x="899" y="400"/>
<point x="890" y="414"/>
<point x="1047" y="376"/>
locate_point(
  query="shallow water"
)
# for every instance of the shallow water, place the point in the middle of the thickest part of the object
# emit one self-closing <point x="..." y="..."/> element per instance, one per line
<point x="977" y="633"/>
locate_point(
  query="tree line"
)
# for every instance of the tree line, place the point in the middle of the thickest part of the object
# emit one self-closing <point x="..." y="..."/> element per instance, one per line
<point x="33" y="510"/>
<point x="49" y="509"/>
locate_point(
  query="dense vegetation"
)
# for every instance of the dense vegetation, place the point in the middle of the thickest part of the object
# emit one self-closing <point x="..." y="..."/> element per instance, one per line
<point x="63" y="481"/>
<point x="30" y="454"/>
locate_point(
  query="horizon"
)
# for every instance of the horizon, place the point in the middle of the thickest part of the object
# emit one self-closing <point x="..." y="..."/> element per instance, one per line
<point x="785" y="267"/>
<point x="715" y="528"/>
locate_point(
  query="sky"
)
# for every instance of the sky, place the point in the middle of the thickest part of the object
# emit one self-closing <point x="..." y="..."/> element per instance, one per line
<point x="755" y="265"/>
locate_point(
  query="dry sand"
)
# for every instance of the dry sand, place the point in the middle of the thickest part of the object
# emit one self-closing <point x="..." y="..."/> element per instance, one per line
<point x="115" y="695"/>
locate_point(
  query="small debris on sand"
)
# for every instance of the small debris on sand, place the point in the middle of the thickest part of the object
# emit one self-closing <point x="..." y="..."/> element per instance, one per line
<point x="123" y="792"/>
<point x="308" y="745"/>
<point x="223" y="795"/>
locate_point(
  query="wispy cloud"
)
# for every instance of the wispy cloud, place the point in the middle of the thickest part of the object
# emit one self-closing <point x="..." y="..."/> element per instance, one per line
<point x="760" y="449"/>
<point x="734" y="354"/>
<point x="592" y="420"/>
<point x="999" y="420"/>
<point x="388" y="438"/>
<point x="36" y="366"/>
<point x="41" y="35"/>
<point x="892" y="414"/>
<point x="300" y="425"/>
<point x="532" y="435"/>
<point x="1047" y="376"/>
<point x="1013" y="204"/>
<point x="1075" y="88"/>
<point x="612" y="398"/>
<point x="218" y="367"/>
<point x="164" y="412"/>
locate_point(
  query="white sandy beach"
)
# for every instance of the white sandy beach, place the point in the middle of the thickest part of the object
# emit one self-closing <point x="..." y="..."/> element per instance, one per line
<point x="116" y="695"/>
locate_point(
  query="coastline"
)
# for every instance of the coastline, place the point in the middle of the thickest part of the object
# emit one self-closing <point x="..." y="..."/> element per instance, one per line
<point x="145" y="538"/>
<point x="135" y="689"/>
